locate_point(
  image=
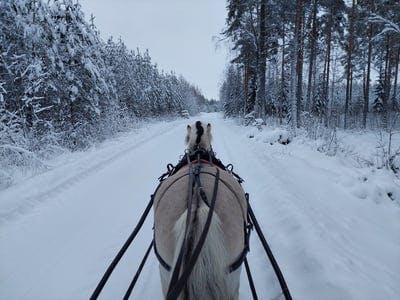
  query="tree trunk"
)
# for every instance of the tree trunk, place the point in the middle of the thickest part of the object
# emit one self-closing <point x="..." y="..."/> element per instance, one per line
<point x="328" y="119"/>
<point x="387" y="83"/>
<point x="351" y="90"/>
<point x="299" y="62"/>
<point x="396" y="74"/>
<point x="327" y="64"/>
<point x="262" y="60"/>
<point x="368" y="79"/>
<point x="349" y="66"/>
<point x="283" y="85"/>
<point x="246" y="86"/>
<point x="313" y="39"/>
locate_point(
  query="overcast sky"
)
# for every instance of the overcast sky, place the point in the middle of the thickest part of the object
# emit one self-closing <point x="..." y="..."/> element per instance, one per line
<point x="178" y="34"/>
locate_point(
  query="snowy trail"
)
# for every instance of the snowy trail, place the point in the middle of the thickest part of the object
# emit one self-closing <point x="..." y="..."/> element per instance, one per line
<point x="61" y="179"/>
<point x="59" y="250"/>
<point x="329" y="243"/>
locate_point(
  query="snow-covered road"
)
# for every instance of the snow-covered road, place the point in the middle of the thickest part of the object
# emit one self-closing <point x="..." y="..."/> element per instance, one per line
<point x="60" y="230"/>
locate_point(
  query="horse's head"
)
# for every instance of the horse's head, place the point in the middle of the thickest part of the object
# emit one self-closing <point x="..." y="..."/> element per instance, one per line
<point x="199" y="136"/>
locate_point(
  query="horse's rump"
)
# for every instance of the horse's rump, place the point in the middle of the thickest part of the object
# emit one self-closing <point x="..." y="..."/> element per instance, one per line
<point x="170" y="203"/>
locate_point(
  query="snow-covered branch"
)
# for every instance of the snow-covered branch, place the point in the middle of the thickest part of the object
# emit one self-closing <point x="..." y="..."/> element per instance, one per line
<point x="389" y="26"/>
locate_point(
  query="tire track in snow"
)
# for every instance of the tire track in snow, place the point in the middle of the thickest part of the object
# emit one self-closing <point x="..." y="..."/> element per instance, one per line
<point x="27" y="204"/>
<point x="60" y="233"/>
<point x="327" y="223"/>
<point x="284" y="223"/>
<point x="225" y="143"/>
<point x="310" y="222"/>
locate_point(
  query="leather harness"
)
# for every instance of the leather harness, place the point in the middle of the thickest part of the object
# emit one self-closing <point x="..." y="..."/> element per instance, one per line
<point x="202" y="156"/>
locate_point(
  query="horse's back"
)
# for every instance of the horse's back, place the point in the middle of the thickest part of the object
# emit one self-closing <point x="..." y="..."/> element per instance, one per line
<point x="170" y="203"/>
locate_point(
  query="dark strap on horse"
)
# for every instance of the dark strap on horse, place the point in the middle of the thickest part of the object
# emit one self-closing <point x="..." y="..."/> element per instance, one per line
<point x="277" y="270"/>
<point x="232" y="267"/>
<point x="248" y="227"/>
<point x="160" y="259"/>
<point x="179" y="261"/>
<point x="139" y="270"/>
<point x="175" y="288"/>
<point x="238" y="262"/>
<point x="199" y="154"/>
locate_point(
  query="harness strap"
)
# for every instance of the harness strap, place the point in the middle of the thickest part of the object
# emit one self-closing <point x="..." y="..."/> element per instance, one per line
<point x="139" y="270"/>
<point x="192" y="157"/>
<point x="176" y="288"/>
<point x="238" y="262"/>
<point x="160" y="259"/>
<point x="179" y="261"/>
<point x="232" y="267"/>
<point x="277" y="270"/>
<point x="248" y="227"/>
<point x="121" y="252"/>
<point x="250" y="279"/>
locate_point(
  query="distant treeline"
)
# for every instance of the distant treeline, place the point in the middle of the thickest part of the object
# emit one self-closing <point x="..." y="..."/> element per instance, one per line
<point x="334" y="62"/>
<point x="60" y="83"/>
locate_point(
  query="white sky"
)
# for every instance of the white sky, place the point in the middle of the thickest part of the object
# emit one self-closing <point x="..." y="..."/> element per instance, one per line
<point x="178" y="34"/>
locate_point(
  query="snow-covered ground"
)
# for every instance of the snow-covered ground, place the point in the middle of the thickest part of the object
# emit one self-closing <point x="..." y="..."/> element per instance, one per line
<point x="331" y="224"/>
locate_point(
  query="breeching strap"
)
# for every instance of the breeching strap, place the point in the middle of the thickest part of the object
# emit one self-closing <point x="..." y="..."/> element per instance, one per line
<point x="121" y="252"/>
<point x="277" y="270"/>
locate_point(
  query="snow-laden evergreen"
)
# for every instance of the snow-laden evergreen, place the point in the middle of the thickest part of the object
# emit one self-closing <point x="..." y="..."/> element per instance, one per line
<point x="334" y="62"/>
<point x="62" y="86"/>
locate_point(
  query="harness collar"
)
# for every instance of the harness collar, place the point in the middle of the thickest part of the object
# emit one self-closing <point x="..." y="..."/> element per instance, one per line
<point x="199" y="155"/>
<point x="203" y="161"/>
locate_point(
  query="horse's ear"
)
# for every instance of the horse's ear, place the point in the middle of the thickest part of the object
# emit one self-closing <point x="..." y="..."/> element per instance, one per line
<point x="188" y="128"/>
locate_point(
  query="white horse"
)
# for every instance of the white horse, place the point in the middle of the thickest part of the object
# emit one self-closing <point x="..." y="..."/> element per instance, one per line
<point x="212" y="276"/>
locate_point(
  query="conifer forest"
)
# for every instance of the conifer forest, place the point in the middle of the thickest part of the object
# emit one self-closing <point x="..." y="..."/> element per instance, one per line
<point x="142" y="141"/>
<point x="61" y="84"/>
<point x="331" y="62"/>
